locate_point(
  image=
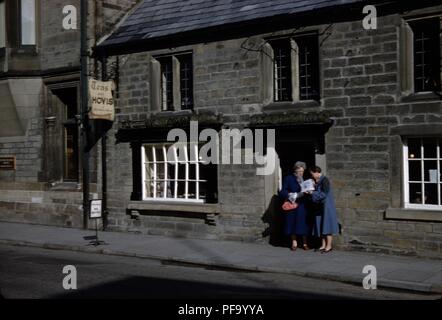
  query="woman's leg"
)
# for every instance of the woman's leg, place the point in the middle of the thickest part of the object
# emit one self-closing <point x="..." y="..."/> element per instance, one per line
<point x="304" y="243"/>
<point x="329" y="242"/>
<point x="324" y="244"/>
<point x="294" y="242"/>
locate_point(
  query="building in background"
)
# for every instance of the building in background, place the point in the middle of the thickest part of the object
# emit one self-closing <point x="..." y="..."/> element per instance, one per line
<point x="39" y="102"/>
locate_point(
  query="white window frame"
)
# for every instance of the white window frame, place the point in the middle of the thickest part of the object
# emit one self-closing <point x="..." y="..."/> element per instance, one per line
<point x="406" y="188"/>
<point x="175" y="161"/>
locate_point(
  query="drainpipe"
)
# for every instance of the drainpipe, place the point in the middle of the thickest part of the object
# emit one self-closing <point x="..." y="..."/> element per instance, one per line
<point x="84" y="112"/>
<point x="103" y="153"/>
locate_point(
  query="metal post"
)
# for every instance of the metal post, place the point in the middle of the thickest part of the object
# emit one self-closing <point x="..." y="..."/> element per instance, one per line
<point x="103" y="153"/>
<point x="84" y="111"/>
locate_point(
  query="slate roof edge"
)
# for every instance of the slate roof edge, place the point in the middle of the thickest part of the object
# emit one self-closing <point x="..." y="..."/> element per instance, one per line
<point x="238" y="30"/>
<point x="119" y="23"/>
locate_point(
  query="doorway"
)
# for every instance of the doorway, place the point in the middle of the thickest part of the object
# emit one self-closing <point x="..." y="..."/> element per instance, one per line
<point x="62" y="133"/>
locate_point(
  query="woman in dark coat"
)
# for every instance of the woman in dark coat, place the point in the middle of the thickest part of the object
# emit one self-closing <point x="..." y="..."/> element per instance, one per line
<point x="295" y="220"/>
<point x="324" y="210"/>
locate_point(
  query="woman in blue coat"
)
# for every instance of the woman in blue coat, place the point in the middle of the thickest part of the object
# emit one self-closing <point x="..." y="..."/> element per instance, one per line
<point x="295" y="220"/>
<point x="323" y="210"/>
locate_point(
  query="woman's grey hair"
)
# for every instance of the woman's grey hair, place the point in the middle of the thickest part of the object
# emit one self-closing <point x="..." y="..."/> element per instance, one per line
<point x="300" y="164"/>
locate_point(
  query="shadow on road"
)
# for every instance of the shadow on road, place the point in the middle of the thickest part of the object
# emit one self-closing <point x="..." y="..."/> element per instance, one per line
<point x="156" y="288"/>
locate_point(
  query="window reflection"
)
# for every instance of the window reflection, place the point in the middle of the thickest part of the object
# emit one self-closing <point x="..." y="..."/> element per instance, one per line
<point x="28" y="35"/>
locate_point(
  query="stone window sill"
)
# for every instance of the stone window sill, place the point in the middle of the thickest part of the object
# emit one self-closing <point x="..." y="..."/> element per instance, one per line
<point x="291" y="105"/>
<point x="173" y="112"/>
<point x="413" y="214"/>
<point x="31" y="50"/>
<point x="207" y="208"/>
<point x="421" y="96"/>
<point x="418" y="130"/>
<point x="65" y="186"/>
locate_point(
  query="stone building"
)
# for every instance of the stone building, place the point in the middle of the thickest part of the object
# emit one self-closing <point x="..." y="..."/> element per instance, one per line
<point x="363" y="104"/>
<point x="40" y="171"/>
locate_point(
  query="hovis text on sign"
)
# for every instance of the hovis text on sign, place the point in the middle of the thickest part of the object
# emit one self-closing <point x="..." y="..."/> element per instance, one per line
<point x="101" y="100"/>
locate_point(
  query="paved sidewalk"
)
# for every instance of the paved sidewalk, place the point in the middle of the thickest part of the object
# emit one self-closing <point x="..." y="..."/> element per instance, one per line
<point x="417" y="274"/>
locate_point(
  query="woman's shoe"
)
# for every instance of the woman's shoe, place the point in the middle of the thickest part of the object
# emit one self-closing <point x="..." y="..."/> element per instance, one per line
<point x="327" y="251"/>
<point x="319" y="249"/>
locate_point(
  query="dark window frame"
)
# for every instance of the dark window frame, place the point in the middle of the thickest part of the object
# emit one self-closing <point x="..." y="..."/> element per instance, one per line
<point x="308" y="67"/>
<point x="282" y="70"/>
<point x="427" y="54"/>
<point x="166" y="79"/>
<point x="186" y="80"/>
<point x="308" y="57"/>
<point x="188" y="88"/>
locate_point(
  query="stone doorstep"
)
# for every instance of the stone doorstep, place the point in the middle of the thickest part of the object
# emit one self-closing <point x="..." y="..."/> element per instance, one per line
<point x="338" y="277"/>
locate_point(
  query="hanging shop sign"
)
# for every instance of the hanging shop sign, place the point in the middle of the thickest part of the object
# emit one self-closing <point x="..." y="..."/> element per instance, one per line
<point x="101" y="100"/>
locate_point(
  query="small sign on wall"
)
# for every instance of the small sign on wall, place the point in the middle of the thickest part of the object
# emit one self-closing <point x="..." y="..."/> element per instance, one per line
<point x="7" y="163"/>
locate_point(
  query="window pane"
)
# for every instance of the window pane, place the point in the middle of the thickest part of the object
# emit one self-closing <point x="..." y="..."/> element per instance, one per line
<point x="181" y="178"/>
<point x="414" y="148"/>
<point x="415" y="193"/>
<point x="149" y="153"/>
<point x="170" y="176"/>
<point x="192" y="190"/>
<point x="159" y="154"/>
<point x="430" y="147"/>
<point x="440" y="172"/>
<point x="28" y="22"/>
<point x="186" y="81"/>
<point x="282" y="70"/>
<point x="308" y="67"/>
<point x="148" y="185"/>
<point x="440" y="192"/>
<point x="203" y="191"/>
<point x="415" y="170"/>
<point x="192" y="171"/>
<point x="160" y="189"/>
<point x="2" y="25"/>
<point x="431" y="193"/>
<point x="430" y="171"/>
<point x="160" y="171"/>
<point x="166" y="83"/>
<point x="426" y="54"/>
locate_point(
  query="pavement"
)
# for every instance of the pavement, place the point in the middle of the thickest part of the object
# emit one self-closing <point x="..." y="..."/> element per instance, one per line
<point x="394" y="272"/>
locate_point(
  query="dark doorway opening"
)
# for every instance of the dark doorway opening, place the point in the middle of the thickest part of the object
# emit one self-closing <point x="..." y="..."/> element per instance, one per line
<point x="70" y="135"/>
<point x="297" y="143"/>
<point x="290" y="152"/>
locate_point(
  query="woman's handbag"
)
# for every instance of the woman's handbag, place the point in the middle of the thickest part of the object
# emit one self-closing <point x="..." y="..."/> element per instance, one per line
<point x="289" y="206"/>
